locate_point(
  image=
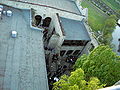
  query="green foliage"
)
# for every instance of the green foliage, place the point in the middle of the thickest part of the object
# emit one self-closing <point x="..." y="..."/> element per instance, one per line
<point x="111" y="21"/>
<point x="109" y="26"/>
<point x="99" y="21"/>
<point x="112" y="3"/>
<point x="118" y="11"/>
<point x="96" y="17"/>
<point x="103" y="63"/>
<point x="76" y="82"/>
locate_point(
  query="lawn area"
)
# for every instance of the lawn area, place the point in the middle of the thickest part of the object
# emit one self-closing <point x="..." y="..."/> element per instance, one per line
<point x="96" y="17"/>
<point x="112" y="3"/>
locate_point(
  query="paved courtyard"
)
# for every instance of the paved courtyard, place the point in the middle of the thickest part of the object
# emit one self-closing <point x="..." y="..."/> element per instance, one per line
<point x="22" y="60"/>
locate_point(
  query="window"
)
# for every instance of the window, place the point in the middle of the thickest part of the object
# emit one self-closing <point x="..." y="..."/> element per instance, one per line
<point x="79" y="53"/>
<point x="62" y="52"/>
<point x="69" y="52"/>
<point x="74" y="43"/>
<point x="38" y="19"/>
<point x="66" y="43"/>
<point x="46" y="22"/>
<point x="76" y="52"/>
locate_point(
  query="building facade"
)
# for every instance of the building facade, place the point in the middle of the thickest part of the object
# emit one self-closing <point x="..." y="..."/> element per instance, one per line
<point x="51" y="28"/>
<point x="65" y="32"/>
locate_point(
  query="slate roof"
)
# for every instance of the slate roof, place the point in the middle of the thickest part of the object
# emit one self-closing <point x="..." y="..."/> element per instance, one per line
<point x="22" y="59"/>
<point x="74" y="29"/>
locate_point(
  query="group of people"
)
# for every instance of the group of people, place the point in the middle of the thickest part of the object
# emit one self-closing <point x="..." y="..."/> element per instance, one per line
<point x="71" y="59"/>
<point x="55" y="77"/>
<point x="65" y="66"/>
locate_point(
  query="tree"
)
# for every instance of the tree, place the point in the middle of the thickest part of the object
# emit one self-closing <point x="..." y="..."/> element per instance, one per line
<point x="76" y="82"/>
<point x="103" y="63"/>
<point x="109" y="26"/>
<point x="118" y="13"/>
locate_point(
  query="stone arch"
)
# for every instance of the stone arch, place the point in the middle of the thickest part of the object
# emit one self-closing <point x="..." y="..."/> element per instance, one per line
<point x="46" y="22"/>
<point x="38" y="19"/>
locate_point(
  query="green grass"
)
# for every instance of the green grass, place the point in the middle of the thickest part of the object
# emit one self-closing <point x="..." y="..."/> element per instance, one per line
<point x="96" y="17"/>
<point x="113" y="4"/>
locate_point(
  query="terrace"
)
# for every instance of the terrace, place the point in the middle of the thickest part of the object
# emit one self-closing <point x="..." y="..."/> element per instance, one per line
<point x="22" y="60"/>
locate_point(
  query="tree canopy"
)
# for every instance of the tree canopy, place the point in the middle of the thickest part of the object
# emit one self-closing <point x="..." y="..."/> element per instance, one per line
<point x="109" y="27"/>
<point x="103" y="63"/>
<point x="76" y="81"/>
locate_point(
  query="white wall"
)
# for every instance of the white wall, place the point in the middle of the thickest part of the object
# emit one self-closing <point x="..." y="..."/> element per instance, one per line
<point x="84" y="11"/>
<point x="43" y="10"/>
<point x="72" y="47"/>
<point x="59" y="38"/>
